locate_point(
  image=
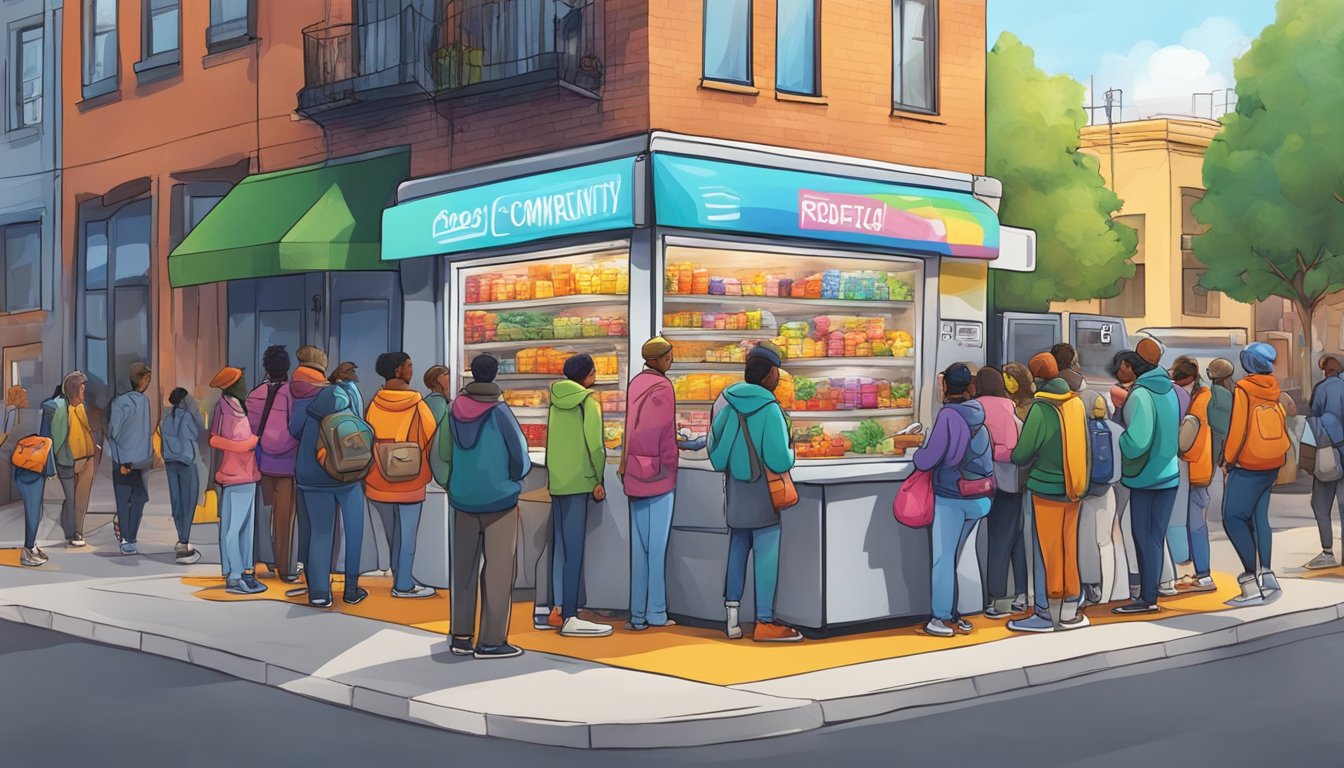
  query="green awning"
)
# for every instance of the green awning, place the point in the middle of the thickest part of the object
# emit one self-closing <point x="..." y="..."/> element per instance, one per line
<point x="310" y="219"/>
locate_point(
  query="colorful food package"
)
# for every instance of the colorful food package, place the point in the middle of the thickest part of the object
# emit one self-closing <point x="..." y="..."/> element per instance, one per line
<point x="700" y="282"/>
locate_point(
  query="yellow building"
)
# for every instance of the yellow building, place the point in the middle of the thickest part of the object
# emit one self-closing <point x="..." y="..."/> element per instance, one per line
<point x="1155" y="166"/>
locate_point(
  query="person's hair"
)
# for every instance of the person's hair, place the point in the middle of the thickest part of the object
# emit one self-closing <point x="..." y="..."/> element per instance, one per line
<point x="388" y="363"/>
<point x="1322" y="363"/>
<point x="484" y="368"/>
<point x="989" y="383"/>
<point x="758" y="370"/>
<point x="176" y="397"/>
<point x="1065" y="355"/>
<point x="139" y="376"/>
<point x="432" y="377"/>
<point x="1136" y="362"/>
<point x="341" y="373"/>
<point x="1026" y="384"/>
<point x="72" y="382"/>
<point x="1187" y="367"/>
<point x="59" y="392"/>
<point x="275" y="361"/>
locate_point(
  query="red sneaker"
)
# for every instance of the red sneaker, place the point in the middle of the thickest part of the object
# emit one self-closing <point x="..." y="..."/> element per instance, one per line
<point x="775" y="633"/>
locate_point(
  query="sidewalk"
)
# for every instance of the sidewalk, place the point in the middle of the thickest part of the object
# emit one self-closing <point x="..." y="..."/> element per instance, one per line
<point x="679" y="687"/>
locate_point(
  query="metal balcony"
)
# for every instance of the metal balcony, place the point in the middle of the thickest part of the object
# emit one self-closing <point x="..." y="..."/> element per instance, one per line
<point x="383" y="55"/>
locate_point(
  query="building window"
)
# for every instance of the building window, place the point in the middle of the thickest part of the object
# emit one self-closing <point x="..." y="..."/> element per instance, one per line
<point x="21" y="255"/>
<point x="27" y="69"/>
<point x="1131" y="302"/>
<point x="1195" y="300"/>
<point x="230" y="24"/>
<point x="100" y="49"/>
<point x="797" y="44"/>
<point x="914" y="73"/>
<point x="163" y="31"/>
<point x="727" y="51"/>
<point x="115" y="288"/>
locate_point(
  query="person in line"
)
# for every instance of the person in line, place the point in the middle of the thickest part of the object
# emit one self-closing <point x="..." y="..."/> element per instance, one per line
<point x="1007" y="547"/>
<point x="31" y="484"/>
<point x="1149" y="469"/>
<point x="324" y="495"/>
<point x="1021" y="388"/>
<point x="959" y="448"/>
<point x="480" y="459"/>
<point x="751" y="434"/>
<point x="1257" y="447"/>
<point x="309" y="378"/>
<point x="131" y="449"/>
<point x="268" y="409"/>
<point x="180" y="429"/>
<point x="1054" y="445"/>
<point x="648" y="471"/>
<point x="437" y="381"/>
<point x="399" y="415"/>
<point x="576" y="460"/>
<point x="237" y="476"/>
<point x="76" y="452"/>
<point x="1327" y="409"/>
<point x="1221" y="373"/>
<point x="346" y="376"/>
<point x="1199" y="462"/>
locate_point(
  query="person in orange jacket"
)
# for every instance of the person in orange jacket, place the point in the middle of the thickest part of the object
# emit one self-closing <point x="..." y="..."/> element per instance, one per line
<point x="1199" y="457"/>
<point x="400" y="419"/>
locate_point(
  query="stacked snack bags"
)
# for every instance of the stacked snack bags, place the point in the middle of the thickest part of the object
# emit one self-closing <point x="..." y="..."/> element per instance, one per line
<point x="544" y="281"/>
<point x="685" y="278"/>
<point x="702" y="387"/>
<point x="482" y="327"/>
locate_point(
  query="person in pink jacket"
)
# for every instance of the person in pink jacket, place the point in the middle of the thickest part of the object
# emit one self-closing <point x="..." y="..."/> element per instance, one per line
<point x="1007" y="546"/>
<point x="237" y="476"/>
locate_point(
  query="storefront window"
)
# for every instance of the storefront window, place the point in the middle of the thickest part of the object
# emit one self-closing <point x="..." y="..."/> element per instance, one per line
<point x="848" y="328"/>
<point x="117" y="246"/>
<point x="533" y="314"/>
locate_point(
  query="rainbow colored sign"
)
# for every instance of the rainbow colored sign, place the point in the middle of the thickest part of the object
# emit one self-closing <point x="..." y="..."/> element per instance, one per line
<point x="694" y="193"/>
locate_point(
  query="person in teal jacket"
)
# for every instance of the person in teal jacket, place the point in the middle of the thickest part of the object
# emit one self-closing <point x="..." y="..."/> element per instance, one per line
<point x="576" y="462"/>
<point x="753" y="522"/>
<point x="1148" y="464"/>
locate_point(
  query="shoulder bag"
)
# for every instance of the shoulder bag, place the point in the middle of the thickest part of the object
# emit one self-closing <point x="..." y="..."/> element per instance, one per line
<point x="783" y="493"/>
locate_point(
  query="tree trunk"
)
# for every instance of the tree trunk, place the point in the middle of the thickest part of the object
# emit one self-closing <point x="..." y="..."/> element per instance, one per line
<point x="1306" y="353"/>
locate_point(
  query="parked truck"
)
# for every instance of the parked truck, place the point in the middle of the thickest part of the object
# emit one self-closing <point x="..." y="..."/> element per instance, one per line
<point x="1017" y="336"/>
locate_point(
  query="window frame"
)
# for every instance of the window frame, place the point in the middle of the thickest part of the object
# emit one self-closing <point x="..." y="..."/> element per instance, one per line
<point x="705" y="77"/>
<point x="111" y="83"/>
<point x="91" y="215"/>
<point x="35" y="224"/>
<point x="932" y="53"/>
<point x="816" y="53"/>
<point x="239" y="39"/>
<point x="16" y="105"/>
<point x="150" y="65"/>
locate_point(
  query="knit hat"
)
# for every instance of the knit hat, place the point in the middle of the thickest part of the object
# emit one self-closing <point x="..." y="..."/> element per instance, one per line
<point x="227" y="377"/>
<point x="655" y="348"/>
<point x="768" y="351"/>
<point x="312" y="357"/>
<point x="1150" y="351"/>
<point x="1258" y="357"/>
<point x="1044" y="367"/>
<point x="578" y="367"/>
<point x="1221" y="368"/>
<point x="957" y="378"/>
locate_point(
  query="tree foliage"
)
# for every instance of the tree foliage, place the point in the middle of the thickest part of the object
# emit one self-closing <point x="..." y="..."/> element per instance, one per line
<point x="1033" y="125"/>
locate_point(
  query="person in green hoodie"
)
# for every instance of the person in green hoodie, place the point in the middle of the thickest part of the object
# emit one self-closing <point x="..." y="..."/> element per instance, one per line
<point x="1148" y="464"/>
<point x="576" y="462"/>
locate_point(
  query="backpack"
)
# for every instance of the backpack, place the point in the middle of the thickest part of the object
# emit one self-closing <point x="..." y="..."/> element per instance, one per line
<point x="401" y="460"/>
<point x="345" y="446"/>
<point x="33" y="453"/>
<point x="1264" y="442"/>
<point x="976" y="469"/>
<point x="1105" y="469"/>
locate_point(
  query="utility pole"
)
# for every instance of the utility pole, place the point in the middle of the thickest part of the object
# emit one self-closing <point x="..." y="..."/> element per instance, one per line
<point x="1114" y="100"/>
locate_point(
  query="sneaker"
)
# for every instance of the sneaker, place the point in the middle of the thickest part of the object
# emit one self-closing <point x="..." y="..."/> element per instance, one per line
<point x="187" y="557"/>
<point x="461" y="646"/>
<point x="416" y="592"/>
<point x="938" y="628"/>
<point x="504" y="651"/>
<point x="775" y="633"/>
<point x="542" y="622"/>
<point x="41" y="554"/>
<point x="319" y="602"/>
<point x="1078" y="622"/>
<point x="963" y="626"/>
<point x="236" y="587"/>
<point x="665" y="624"/>
<point x="250" y="581"/>
<point x="1036" y="622"/>
<point x="1203" y="584"/>
<point x="1092" y="594"/>
<point x="300" y="592"/>
<point x="129" y="548"/>
<point x="292" y="578"/>
<point x="1020" y="604"/>
<point x="30" y="558"/>
<point x="1000" y="608"/>
<point x="77" y="541"/>
<point x="630" y="626"/>
<point x="356" y="597"/>
<point x="1269" y="583"/>
<point x="576" y="627"/>
<point x="1136" y="607"/>
<point x="1321" y="562"/>
<point x="1167" y="589"/>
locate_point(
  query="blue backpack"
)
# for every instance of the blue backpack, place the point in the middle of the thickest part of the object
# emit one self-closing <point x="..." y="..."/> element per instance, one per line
<point x="1105" y="466"/>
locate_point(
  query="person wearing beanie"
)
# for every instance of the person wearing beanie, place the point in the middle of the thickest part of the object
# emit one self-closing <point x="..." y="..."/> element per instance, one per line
<point x="576" y="462"/>
<point x="1007" y="547"/>
<point x="130" y="446"/>
<point x="1198" y="461"/>
<point x="748" y="435"/>
<point x="1054" y="444"/>
<point x="437" y="381"/>
<point x="269" y="407"/>
<point x="312" y="357"/>
<point x="480" y="458"/>
<point x="180" y="430"/>
<point x="237" y="476"/>
<point x="959" y="448"/>
<point x="308" y="379"/>
<point x="1327" y="413"/>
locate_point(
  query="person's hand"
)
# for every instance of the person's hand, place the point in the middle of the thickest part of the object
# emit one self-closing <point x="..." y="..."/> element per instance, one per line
<point x="125" y="469"/>
<point x="693" y="444"/>
<point x="599" y="493"/>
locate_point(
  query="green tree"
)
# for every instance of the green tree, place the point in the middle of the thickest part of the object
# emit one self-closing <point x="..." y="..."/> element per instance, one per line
<point x="1033" y="126"/>
<point x="1272" y="173"/>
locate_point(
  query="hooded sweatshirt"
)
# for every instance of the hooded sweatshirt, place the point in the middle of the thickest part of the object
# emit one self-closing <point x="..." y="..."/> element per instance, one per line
<point x="1253" y="389"/>
<point x="1220" y="410"/>
<point x="650" y="436"/>
<point x="129" y="431"/>
<point x="181" y="429"/>
<point x="480" y="455"/>
<point x="576" y="457"/>
<point x="1054" y="443"/>
<point x="1200" y="455"/>
<point x="313" y="403"/>
<point x="1003" y="424"/>
<point x="393" y="416"/>
<point x="1152" y="425"/>
<point x="231" y="434"/>
<point x="769" y="429"/>
<point x="276" y="446"/>
<point x="946" y="447"/>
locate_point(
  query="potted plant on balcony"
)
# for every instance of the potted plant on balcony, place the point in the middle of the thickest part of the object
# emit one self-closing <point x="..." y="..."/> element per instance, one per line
<point x="458" y="65"/>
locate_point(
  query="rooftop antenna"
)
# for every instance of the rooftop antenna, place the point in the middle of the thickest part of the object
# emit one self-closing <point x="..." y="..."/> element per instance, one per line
<point x="1115" y="100"/>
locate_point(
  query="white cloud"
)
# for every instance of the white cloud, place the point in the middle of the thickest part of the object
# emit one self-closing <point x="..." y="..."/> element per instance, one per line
<point x="1162" y="79"/>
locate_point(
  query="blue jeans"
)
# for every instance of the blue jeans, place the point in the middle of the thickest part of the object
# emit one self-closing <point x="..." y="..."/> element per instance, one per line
<point x="953" y="522"/>
<point x="650" y="526"/>
<point x="1149" y="515"/>
<point x="184" y="489"/>
<point x="401" y="521"/>
<point x="1198" y="529"/>
<point x="764" y="543"/>
<point x="31" y="485"/>
<point x="322" y="504"/>
<point x="131" y="496"/>
<point x="569" y="527"/>
<point x="1246" y="515"/>
<point x="237" y="525"/>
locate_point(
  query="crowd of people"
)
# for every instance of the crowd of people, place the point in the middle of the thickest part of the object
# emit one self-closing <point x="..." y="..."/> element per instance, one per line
<point x="1082" y="487"/>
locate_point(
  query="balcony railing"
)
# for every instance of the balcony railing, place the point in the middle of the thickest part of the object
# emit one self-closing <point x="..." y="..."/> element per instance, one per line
<point x="493" y="45"/>
<point x="384" y="55"/>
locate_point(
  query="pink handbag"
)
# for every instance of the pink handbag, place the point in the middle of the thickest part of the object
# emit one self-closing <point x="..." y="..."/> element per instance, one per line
<point x="913" y="505"/>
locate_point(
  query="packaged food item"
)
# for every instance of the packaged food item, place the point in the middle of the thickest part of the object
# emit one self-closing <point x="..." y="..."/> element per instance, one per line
<point x="700" y="282"/>
<point x="716" y="286"/>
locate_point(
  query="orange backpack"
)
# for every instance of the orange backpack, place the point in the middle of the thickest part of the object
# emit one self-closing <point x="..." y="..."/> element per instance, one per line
<point x="1264" y="443"/>
<point x="33" y="453"/>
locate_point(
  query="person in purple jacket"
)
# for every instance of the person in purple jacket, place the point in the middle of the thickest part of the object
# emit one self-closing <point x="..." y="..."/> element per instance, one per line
<point x="268" y="411"/>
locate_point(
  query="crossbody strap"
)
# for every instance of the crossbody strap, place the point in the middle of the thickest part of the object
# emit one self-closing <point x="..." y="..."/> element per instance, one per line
<point x="756" y="466"/>
<point x="272" y="390"/>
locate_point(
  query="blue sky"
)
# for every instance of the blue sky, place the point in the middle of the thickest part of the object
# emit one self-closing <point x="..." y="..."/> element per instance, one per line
<point x="1158" y="52"/>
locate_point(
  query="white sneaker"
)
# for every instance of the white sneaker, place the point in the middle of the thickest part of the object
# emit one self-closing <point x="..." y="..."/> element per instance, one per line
<point x="1167" y="589"/>
<point x="576" y="627"/>
<point x="417" y="592"/>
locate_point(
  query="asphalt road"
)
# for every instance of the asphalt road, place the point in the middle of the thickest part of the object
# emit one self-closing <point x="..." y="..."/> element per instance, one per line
<point x="69" y="702"/>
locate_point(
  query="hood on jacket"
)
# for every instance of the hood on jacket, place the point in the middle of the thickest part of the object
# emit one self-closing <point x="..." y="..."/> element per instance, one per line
<point x="397" y="400"/>
<point x="746" y="398"/>
<point x="646" y="381"/>
<point x="1055" y="389"/>
<point x="1158" y="382"/>
<point x="469" y="420"/>
<point x="307" y="382"/>
<point x="483" y="391"/>
<point x="567" y="395"/>
<point x="1261" y="385"/>
<point x="972" y="411"/>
